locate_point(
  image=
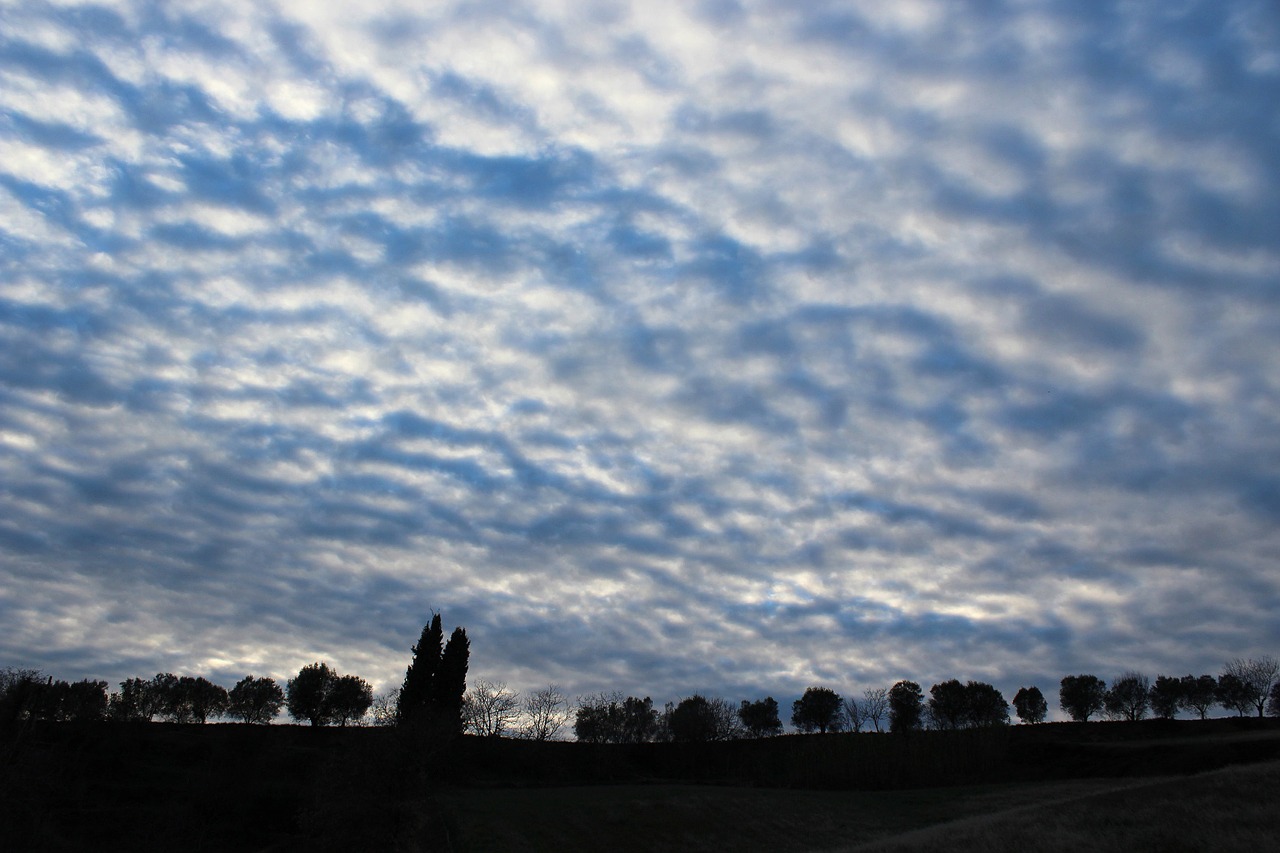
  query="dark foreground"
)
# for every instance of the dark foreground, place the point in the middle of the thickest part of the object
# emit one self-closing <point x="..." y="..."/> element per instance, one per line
<point x="1100" y="786"/>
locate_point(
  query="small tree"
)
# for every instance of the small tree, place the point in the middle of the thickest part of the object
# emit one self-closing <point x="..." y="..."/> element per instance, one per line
<point x="489" y="708"/>
<point x="874" y="706"/>
<point x="598" y="718"/>
<point x="1234" y="694"/>
<point x="1166" y="697"/>
<point x="948" y="704"/>
<point x="1257" y="675"/>
<point x="255" y="700"/>
<point x="1129" y="697"/>
<point x="639" y="720"/>
<point x="1199" y="693"/>
<point x="760" y="718"/>
<point x="853" y="713"/>
<point x="984" y="705"/>
<point x="85" y="700"/>
<point x="349" y="699"/>
<point x="1030" y="704"/>
<point x="817" y="710"/>
<point x="1082" y="696"/>
<point x="546" y="713"/>
<point x="166" y="689"/>
<point x="307" y="693"/>
<point x="202" y="698"/>
<point x="136" y="701"/>
<point x="693" y="720"/>
<point x="1273" y="700"/>
<point x="19" y="689"/>
<point x="906" y="707"/>
<point x="384" y="707"/>
<point x="697" y="719"/>
<point x="608" y="718"/>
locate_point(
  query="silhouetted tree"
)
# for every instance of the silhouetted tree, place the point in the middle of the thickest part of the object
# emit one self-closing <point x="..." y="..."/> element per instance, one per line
<point x="415" y="699"/>
<point x="953" y="705"/>
<point x="697" y="719"/>
<point x="136" y="701"/>
<point x="608" y="718"/>
<point x="760" y="718"/>
<point x="1082" y="696"/>
<point x="874" y="706"/>
<point x="1273" y="700"/>
<point x="307" y="693"/>
<point x="1030" y="704"/>
<point x="546" y="713"/>
<point x="598" y="718"/>
<point x="451" y="683"/>
<point x="204" y="698"/>
<point x="349" y="700"/>
<point x="489" y="708"/>
<point x="19" y="689"/>
<point x="435" y="681"/>
<point x="1257" y="675"/>
<point x="639" y="720"/>
<point x="692" y="720"/>
<point x="984" y="705"/>
<point x="819" y="709"/>
<point x="1166" y="697"/>
<point x="906" y="706"/>
<point x="19" y="698"/>
<point x="61" y="700"/>
<point x="948" y="704"/>
<point x="167" y="695"/>
<point x="1199" y="693"/>
<point x="384" y="707"/>
<point x="255" y="700"/>
<point x="1129" y="697"/>
<point x="1233" y="694"/>
<point x="187" y="699"/>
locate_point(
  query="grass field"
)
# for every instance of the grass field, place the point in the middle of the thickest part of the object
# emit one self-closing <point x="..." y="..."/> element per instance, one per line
<point x="1233" y="809"/>
<point x="1187" y="786"/>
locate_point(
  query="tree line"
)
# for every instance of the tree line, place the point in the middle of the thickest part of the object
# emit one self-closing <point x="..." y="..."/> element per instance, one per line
<point x="434" y="695"/>
<point x="1245" y="686"/>
<point x="432" y="692"/>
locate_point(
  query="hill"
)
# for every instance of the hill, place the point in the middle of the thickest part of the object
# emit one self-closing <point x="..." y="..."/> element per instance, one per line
<point x="235" y="787"/>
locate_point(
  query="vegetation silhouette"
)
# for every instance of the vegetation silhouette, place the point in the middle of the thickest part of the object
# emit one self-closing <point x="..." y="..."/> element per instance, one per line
<point x="71" y="751"/>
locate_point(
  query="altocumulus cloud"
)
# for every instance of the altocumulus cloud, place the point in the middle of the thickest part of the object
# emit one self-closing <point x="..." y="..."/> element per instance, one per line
<point x="733" y="346"/>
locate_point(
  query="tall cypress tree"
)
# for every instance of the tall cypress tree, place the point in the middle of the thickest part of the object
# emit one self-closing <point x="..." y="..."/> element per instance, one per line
<point x="451" y="682"/>
<point x="414" y="704"/>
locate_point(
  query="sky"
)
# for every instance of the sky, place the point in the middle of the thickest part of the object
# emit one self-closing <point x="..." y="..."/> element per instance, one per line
<point x="729" y="347"/>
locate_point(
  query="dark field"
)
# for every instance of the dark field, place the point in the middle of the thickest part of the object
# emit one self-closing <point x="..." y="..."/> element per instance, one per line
<point x="1179" y="786"/>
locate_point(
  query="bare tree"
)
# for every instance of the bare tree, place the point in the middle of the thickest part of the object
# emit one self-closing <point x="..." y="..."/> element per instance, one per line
<point x="384" y="707"/>
<point x="489" y="708"/>
<point x="546" y="713"/>
<point x="1257" y="675"/>
<point x="853" y="713"/>
<point x="874" y="706"/>
<point x="1129" y="697"/>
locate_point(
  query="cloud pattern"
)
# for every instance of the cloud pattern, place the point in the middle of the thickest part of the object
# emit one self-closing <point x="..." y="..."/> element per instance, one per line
<point x="732" y="346"/>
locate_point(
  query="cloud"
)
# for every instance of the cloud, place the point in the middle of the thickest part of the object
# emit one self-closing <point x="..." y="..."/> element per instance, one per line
<point x="731" y="347"/>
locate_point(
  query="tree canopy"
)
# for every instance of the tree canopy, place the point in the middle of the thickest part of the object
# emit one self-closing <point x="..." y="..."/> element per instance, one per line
<point x="906" y="706"/>
<point x="1082" y="696"/>
<point x="819" y="709"/>
<point x="760" y="718"/>
<point x="435" y="682"/>
<point x="255" y="700"/>
<point x="1030" y="705"/>
<point x="322" y="697"/>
